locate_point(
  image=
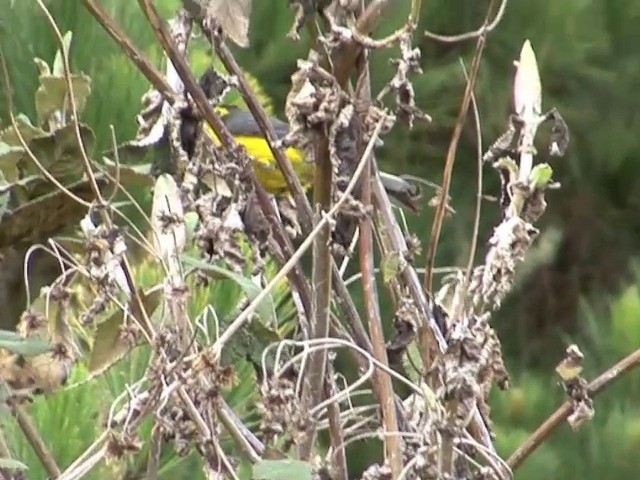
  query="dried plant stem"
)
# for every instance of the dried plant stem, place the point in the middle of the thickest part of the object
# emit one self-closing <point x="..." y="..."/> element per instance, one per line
<point x="90" y="452"/>
<point x="136" y="56"/>
<point x="483" y="30"/>
<point x="438" y="218"/>
<point x="543" y="432"/>
<point x="382" y="383"/>
<point x="478" y="209"/>
<point x="347" y="54"/>
<point x="336" y="433"/>
<point x="154" y="453"/>
<point x="35" y="440"/>
<point x="250" y="445"/>
<point x="424" y="334"/>
<point x="321" y="281"/>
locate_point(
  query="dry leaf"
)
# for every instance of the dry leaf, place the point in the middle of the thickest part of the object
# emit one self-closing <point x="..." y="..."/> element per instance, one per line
<point x="231" y="15"/>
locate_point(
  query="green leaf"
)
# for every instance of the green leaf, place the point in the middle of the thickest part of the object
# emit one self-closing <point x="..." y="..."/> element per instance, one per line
<point x="391" y="265"/>
<point x="52" y="95"/>
<point x="11" y="150"/>
<point x="60" y="153"/>
<point x="540" y="176"/>
<point x="281" y="469"/>
<point x="266" y="308"/>
<point x="58" y="62"/>
<point x="42" y="66"/>
<point x="11" y="464"/>
<point x="22" y="346"/>
<point x="9" y="156"/>
<point x="129" y="175"/>
<point x="26" y="129"/>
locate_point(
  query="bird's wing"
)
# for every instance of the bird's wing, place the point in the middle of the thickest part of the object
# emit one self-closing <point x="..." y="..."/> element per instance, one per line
<point x="241" y="122"/>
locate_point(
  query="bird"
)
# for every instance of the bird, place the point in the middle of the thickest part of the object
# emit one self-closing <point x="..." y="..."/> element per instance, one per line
<point x="246" y="131"/>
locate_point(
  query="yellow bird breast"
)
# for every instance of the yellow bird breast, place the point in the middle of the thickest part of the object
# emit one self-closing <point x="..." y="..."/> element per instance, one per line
<point x="265" y="166"/>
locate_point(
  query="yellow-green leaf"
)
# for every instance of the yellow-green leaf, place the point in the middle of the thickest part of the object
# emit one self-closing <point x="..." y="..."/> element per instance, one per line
<point x="58" y="61"/>
<point x="52" y="95"/>
<point x="392" y="264"/>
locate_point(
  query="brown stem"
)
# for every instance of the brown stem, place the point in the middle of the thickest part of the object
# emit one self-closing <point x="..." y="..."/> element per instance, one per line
<point x="136" y="56"/>
<point x="348" y="53"/>
<point x="336" y="433"/>
<point x="438" y="218"/>
<point x="154" y="453"/>
<point x="424" y="334"/>
<point x="321" y="280"/>
<point x="383" y="386"/>
<point x="595" y="387"/>
<point x="35" y="440"/>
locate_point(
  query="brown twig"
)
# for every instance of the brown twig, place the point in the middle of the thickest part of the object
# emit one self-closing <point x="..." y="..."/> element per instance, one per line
<point x="382" y="383"/>
<point x="478" y="209"/>
<point x="543" y="432"/>
<point x="483" y="30"/>
<point x="154" y="453"/>
<point x="321" y="281"/>
<point x="346" y="56"/>
<point x="136" y="56"/>
<point x="35" y="440"/>
<point x="424" y="335"/>
<point x="336" y="433"/>
<point x="438" y="218"/>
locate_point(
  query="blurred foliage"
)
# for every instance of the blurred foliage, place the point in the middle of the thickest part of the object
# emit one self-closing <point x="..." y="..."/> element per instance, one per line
<point x="602" y="448"/>
<point x="587" y="52"/>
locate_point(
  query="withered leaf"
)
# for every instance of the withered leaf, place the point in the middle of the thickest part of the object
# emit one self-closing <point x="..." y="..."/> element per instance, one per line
<point x="233" y="17"/>
<point x="43" y="217"/>
<point x="109" y="346"/>
<point x="169" y="234"/>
